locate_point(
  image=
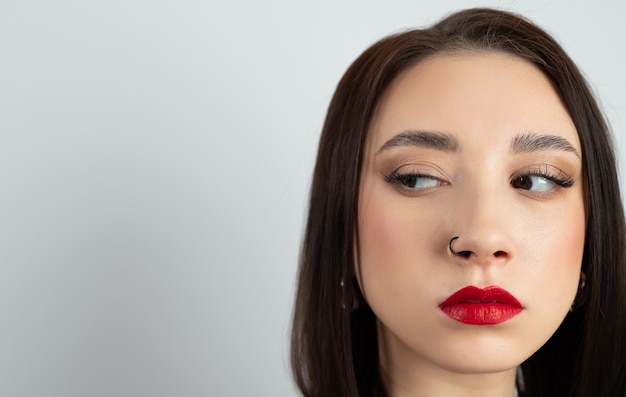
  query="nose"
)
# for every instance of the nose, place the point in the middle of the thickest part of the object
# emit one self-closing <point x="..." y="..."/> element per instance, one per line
<point x="482" y="227"/>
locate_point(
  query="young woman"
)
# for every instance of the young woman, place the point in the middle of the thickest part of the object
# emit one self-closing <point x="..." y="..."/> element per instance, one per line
<point x="465" y="233"/>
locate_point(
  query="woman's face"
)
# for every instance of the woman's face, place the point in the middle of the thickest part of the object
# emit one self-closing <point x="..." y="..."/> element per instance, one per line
<point x="478" y="146"/>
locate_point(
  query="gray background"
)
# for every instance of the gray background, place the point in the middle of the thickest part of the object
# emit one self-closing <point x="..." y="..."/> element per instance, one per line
<point x="155" y="158"/>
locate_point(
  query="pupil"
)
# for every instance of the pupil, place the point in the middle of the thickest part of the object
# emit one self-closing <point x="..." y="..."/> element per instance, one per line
<point x="410" y="181"/>
<point x="524" y="182"/>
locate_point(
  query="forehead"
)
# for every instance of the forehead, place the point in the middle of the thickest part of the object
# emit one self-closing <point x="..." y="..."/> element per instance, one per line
<point x="483" y="95"/>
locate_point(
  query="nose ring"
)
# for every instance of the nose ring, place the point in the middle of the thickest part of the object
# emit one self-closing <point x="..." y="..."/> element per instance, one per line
<point x="460" y="253"/>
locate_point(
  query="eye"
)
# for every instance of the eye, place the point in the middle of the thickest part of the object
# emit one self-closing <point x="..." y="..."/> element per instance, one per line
<point x="413" y="181"/>
<point x="418" y="181"/>
<point x="537" y="183"/>
<point x="542" y="180"/>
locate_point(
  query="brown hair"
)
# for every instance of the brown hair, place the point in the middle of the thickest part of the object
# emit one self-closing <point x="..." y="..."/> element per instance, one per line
<point x="335" y="351"/>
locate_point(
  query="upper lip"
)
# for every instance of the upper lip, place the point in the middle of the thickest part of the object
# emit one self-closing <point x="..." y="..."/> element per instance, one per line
<point x="472" y="294"/>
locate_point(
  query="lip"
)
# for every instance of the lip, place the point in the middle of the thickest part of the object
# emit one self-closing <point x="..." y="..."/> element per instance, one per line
<point x="481" y="306"/>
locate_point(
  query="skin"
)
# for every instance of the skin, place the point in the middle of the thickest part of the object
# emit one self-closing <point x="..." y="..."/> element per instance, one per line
<point x="524" y="233"/>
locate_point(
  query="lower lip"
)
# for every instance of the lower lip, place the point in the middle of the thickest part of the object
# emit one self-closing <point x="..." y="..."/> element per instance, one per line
<point x="481" y="313"/>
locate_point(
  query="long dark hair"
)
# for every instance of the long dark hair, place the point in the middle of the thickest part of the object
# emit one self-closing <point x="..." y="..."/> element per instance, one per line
<point x="335" y="350"/>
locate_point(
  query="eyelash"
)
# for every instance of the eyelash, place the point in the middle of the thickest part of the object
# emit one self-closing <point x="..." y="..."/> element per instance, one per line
<point x="400" y="178"/>
<point x="559" y="178"/>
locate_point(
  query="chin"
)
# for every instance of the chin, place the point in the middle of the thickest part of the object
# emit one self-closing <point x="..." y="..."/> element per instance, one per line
<point x="488" y="354"/>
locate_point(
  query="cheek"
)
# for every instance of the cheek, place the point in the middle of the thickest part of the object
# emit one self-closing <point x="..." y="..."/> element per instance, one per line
<point x="383" y="232"/>
<point x="397" y="245"/>
<point x="381" y="238"/>
<point x="557" y="260"/>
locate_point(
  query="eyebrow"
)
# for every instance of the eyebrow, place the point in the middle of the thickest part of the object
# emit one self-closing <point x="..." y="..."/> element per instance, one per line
<point x="529" y="142"/>
<point x="428" y="139"/>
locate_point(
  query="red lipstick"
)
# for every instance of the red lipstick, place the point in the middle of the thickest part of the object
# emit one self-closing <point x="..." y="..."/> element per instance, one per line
<point x="481" y="306"/>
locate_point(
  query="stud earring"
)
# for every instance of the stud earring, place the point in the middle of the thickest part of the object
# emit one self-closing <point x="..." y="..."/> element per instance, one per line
<point x="349" y="300"/>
